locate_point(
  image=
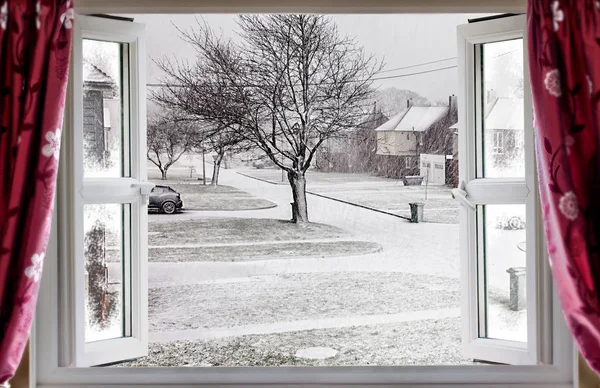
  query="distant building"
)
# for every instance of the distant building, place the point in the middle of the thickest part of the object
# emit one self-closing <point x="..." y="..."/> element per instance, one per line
<point x="503" y="132"/>
<point x="101" y="115"/>
<point x="418" y="130"/>
<point x="353" y="150"/>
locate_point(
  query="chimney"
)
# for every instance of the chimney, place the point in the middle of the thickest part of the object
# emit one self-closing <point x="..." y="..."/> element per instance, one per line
<point x="452" y="102"/>
<point x="491" y="96"/>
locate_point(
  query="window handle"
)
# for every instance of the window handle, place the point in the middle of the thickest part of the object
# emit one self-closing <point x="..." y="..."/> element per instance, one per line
<point x="460" y="194"/>
<point x="145" y="190"/>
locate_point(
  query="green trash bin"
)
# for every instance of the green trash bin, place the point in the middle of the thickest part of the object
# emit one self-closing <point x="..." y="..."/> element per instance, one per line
<point x="416" y="212"/>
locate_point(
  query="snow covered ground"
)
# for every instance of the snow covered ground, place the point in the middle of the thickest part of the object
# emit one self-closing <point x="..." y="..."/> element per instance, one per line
<point x="396" y="306"/>
<point x="385" y="194"/>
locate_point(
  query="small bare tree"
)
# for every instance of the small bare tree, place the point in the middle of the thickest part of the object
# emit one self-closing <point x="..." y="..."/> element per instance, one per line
<point x="223" y="141"/>
<point x="169" y="137"/>
<point x="291" y="84"/>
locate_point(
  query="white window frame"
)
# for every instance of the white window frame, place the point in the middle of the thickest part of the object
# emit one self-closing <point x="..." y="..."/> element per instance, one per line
<point x="47" y="371"/>
<point x="488" y="191"/>
<point x="74" y="191"/>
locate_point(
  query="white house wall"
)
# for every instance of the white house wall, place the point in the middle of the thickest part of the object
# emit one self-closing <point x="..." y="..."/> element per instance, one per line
<point x="396" y="143"/>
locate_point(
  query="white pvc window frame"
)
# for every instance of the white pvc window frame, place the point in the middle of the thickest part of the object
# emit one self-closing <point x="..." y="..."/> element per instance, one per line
<point x="48" y="371"/>
<point x="482" y="191"/>
<point x="75" y="191"/>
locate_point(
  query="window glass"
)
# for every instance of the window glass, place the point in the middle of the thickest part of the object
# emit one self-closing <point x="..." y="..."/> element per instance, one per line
<point x="106" y="244"/>
<point x="502" y="110"/>
<point x="503" y="266"/>
<point x="105" y="109"/>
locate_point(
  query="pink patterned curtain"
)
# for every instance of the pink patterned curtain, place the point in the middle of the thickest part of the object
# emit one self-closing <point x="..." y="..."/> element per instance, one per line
<point x="35" y="44"/>
<point x="564" y="62"/>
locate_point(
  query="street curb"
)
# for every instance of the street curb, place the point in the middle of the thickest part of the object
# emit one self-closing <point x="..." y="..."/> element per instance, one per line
<point x="262" y="179"/>
<point x="328" y="197"/>
<point x="274" y="205"/>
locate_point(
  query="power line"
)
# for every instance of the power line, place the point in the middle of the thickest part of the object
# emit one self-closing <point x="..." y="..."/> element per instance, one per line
<point x="416" y="65"/>
<point x="158" y="85"/>
<point x="417" y="73"/>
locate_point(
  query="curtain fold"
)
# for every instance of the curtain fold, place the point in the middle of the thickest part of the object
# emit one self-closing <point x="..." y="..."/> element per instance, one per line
<point x="564" y="63"/>
<point x="35" y="46"/>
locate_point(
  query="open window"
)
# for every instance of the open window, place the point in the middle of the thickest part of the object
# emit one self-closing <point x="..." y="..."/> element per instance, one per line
<point x="103" y="204"/>
<point x="501" y="246"/>
<point x="267" y="298"/>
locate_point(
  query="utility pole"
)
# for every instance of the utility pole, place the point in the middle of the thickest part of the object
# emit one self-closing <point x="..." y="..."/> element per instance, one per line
<point x="203" y="167"/>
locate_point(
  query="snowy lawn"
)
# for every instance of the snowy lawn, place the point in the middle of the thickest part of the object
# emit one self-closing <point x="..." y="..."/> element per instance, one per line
<point x="196" y="196"/>
<point x="208" y="231"/>
<point x="384" y="194"/>
<point x="250" y="252"/>
<point x="427" y="342"/>
<point x="284" y="298"/>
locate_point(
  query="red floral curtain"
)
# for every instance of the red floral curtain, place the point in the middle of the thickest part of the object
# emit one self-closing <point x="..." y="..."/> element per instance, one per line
<point x="564" y="62"/>
<point x="35" y="43"/>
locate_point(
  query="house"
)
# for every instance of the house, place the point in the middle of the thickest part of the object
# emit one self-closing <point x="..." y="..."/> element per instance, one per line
<point x="352" y="150"/>
<point x="503" y="132"/>
<point x="417" y="131"/>
<point x="503" y="135"/>
<point x="101" y="115"/>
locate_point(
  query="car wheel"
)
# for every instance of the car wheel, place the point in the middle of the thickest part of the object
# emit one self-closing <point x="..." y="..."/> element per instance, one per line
<point x="168" y="207"/>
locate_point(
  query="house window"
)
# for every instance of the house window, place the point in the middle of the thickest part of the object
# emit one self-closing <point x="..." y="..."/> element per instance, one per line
<point x="104" y="235"/>
<point x="519" y="139"/>
<point x="408" y="162"/>
<point x="498" y="146"/>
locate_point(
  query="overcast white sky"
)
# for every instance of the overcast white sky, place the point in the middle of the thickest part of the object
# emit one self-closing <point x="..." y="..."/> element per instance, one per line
<point x="401" y="40"/>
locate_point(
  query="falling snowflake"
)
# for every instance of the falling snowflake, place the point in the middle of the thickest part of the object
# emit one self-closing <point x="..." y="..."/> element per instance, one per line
<point x="568" y="205"/>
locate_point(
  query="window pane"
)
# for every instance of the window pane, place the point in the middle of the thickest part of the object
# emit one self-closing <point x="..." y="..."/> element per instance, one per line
<point x="503" y="262"/>
<point x="502" y="109"/>
<point x="106" y="258"/>
<point x="105" y="106"/>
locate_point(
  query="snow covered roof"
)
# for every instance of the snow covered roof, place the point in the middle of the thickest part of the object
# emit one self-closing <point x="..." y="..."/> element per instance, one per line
<point x="506" y="113"/>
<point x="416" y="118"/>
<point x="503" y="113"/>
<point x="92" y="73"/>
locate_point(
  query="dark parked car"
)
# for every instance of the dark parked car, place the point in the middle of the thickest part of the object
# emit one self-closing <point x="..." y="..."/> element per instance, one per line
<point x="165" y="199"/>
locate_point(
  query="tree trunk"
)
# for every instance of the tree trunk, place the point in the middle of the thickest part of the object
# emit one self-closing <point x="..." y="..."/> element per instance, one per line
<point x="298" y="185"/>
<point x="163" y="173"/>
<point x="217" y="168"/>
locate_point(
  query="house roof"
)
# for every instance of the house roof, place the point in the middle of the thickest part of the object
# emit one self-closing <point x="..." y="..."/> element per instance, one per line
<point x="416" y="118"/>
<point x="503" y="113"/>
<point x="506" y="113"/>
<point x="92" y="73"/>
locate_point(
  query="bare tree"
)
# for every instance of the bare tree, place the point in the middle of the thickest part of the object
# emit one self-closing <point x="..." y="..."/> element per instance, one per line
<point x="222" y="141"/>
<point x="169" y="137"/>
<point x="291" y="84"/>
